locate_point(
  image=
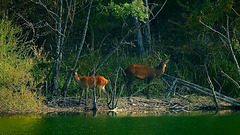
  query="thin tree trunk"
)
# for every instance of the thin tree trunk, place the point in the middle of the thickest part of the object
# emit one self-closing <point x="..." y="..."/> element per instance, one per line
<point x="58" y="54"/>
<point x="139" y="38"/>
<point x="60" y="41"/>
<point x="92" y="41"/>
<point x="148" y="31"/>
<point x="212" y="88"/>
<point x="94" y="93"/>
<point x="65" y="25"/>
<point x="64" y="89"/>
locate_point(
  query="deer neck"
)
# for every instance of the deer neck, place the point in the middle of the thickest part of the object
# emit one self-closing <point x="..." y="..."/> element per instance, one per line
<point x="160" y="69"/>
<point x="77" y="77"/>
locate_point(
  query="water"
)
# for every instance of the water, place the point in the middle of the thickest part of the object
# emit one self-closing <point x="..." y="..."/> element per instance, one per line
<point x="122" y="124"/>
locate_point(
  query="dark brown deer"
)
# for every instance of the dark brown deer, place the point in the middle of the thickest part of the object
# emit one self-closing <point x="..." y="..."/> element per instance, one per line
<point x="87" y="82"/>
<point x="144" y="73"/>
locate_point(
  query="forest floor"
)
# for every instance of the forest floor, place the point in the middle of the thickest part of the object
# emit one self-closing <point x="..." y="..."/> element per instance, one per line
<point x="185" y="103"/>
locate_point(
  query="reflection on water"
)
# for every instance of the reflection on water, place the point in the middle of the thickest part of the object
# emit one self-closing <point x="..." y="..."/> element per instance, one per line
<point x="145" y="122"/>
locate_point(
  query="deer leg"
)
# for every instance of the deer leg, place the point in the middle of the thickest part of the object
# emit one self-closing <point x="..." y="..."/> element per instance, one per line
<point x="148" y="82"/>
<point x="86" y="97"/>
<point x="104" y="90"/>
<point x="100" y="91"/>
<point x="129" y="84"/>
<point x="80" y="96"/>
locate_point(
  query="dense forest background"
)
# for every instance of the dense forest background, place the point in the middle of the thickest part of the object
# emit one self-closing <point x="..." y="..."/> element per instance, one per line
<point x="51" y="34"/>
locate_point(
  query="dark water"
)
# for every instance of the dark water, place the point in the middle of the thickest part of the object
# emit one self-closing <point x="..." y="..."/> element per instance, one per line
<point x="122" y="124"/>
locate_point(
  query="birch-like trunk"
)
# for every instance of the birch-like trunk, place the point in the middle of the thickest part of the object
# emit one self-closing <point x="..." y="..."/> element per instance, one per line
<point x="64" y="89"/>
<point x="59" y="47"/>
<point x="148" y="31"/>
<point x="58" y="54"/>
<point x="139" y="38"/>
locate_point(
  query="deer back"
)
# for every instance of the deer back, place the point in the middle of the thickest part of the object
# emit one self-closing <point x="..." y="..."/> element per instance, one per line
<point x="87" y="82"/>
<point x="140" y="71"/>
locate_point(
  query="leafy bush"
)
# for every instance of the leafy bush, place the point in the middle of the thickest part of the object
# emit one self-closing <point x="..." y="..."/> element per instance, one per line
<point x="16" y="81"/>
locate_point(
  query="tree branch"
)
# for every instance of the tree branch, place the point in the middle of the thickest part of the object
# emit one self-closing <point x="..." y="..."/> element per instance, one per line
<point x="234" y="82"/>
<point x="212" y="29"/>
<point x="51" y="13"/>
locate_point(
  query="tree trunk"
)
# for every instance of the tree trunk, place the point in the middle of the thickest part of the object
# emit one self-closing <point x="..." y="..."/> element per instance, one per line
<point x="64" y="89"/>
<point x="58" y="54"/>
<point x="60" y="41"/>
<point x="94" y="93"/>
<point x="92" y="41"/>
<point x="139" y="38"/>
<point x="148" y="31"/>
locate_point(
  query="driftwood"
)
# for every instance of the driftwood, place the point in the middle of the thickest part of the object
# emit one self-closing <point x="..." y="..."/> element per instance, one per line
<point x="202" y="89"/>
<point x="172" y="87"/>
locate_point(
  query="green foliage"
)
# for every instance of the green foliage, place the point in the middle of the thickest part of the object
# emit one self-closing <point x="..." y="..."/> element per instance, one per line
<point x="236" y="44"/>
<point x="222" y="63"/>
<point x="134" y="9"/>
<point x="16" y="81"/>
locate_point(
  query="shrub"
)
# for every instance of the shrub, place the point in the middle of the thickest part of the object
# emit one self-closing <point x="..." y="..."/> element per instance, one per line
<point x="17" y="86"/>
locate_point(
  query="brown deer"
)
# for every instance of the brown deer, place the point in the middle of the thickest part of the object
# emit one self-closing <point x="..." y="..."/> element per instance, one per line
<point x="87" y="82"/>
<point x="144" y="73"/>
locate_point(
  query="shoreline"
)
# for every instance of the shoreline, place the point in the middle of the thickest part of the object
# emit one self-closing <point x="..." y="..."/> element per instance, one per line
<point x="136" y="104"/>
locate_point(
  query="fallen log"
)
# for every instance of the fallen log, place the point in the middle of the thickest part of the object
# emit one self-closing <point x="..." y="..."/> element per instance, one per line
<point x="203" y="90"/>
<point x="171" y="88"/>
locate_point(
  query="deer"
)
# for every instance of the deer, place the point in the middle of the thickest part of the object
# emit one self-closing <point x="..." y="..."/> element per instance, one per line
<point x="141" y="72"/>
<point x="87" y="82"/>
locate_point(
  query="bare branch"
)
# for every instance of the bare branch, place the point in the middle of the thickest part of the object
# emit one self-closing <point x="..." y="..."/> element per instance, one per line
<point x="212" y="29"/>
<point x="228" y="38"/>
<point x="212" y="88"/>
<point x="159" y="10"/>
<point x="51" y="13"/>
<point x="29" y="24"/>
<point x="235" y="12"/>
<point x="234" y="82"/>
<point x="54" y="29"/>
